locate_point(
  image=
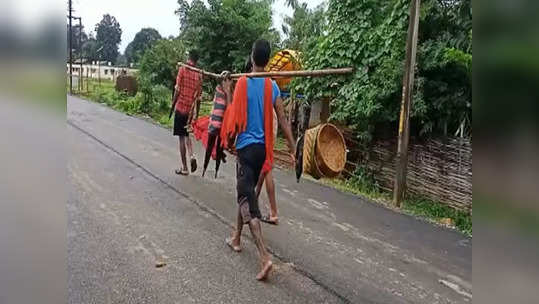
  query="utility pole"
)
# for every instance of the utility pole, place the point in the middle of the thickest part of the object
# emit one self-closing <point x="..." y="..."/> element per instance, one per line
<point x="80" y="53"/>
<point x="99" y="65"/>
<point x="70" y="49"/>
<point x="407" y="90"/>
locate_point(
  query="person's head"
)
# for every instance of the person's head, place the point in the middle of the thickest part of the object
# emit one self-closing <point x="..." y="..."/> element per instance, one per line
<point x="260" y="53"/>
<point x="248" y="67"/>
<point x="193" y="56"/>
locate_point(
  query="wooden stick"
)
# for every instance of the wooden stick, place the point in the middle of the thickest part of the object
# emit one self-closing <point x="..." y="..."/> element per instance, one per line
<point x="199" y="70"/>
<point x="276" y="74"/>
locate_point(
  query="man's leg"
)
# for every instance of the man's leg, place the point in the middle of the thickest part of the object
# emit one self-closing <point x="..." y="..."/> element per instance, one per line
<point x="182" y="153"/>
<point x="256" y="158"/>
<point x="235" y="239"/>
<point x="189" y="145"/>
<point x="191" y="154"/>
<point x="270" y="189"/>
<point x="265" y="258"/>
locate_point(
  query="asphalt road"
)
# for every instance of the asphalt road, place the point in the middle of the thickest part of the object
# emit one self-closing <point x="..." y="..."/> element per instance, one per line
<point x="127" y="210"/>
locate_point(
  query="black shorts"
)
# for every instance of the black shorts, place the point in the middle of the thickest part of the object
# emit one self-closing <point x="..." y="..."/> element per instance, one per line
<point x="250" y="162"/>
<point x="180" y="124"/>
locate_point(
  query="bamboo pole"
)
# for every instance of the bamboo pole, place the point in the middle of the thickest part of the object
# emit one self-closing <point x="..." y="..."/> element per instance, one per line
<point x="275" y="74"/>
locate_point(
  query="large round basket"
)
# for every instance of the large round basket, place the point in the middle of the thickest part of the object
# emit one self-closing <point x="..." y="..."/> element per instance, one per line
<point x="309" y="159"/>
<point x="330" y="150"/>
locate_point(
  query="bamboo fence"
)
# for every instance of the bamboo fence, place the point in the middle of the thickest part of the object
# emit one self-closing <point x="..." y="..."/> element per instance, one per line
<point x="437" y="169"/>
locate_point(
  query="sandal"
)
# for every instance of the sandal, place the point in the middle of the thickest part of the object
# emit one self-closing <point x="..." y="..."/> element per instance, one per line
<point x="266" y="219"/>
<point x="181" y="172"/>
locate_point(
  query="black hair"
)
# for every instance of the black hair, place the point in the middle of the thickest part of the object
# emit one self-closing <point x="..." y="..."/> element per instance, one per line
<point x="248" y="67"/>
<point x="261" y="52"/>
<point x="193" y="56"/>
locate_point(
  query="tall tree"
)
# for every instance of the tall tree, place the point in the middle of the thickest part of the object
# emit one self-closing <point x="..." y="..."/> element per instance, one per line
<point x="89" y="48"/>
<point x="108" y="36"/>
<point x="77" y="31"/>
<point x="223" y="31"/>
<point x="158" y="69"/>
<point x="304" y="26"/>
<point x="144" y="39"/>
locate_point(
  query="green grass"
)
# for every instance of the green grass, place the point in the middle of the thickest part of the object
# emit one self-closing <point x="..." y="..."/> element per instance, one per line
<point x="205" y="108"/>
<point x="423" y="207"/>
<point x="363" y="185"/>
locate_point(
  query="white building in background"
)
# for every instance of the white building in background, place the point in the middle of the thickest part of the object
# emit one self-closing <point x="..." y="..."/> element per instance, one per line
<point x="94" y="70"/>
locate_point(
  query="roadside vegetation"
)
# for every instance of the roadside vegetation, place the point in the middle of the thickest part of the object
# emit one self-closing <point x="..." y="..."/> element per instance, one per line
<point x="136" y="105"/>
<point x="363" y="184"/>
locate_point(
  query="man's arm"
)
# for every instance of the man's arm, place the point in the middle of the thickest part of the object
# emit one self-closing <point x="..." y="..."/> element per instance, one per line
<point x="227" y="88"/>
<point x="198" y="100"/>
<point x="285" y="126"/>
<point x="174" y="99"/>
<point x="177" y="89"/>
<point x="176" y="93"/>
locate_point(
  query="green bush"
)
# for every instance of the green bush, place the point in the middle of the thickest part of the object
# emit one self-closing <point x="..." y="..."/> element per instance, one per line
<point x="105" y="95"/>
<point x="130" y="105"/>
<point x="370" y="35"/>
<point x="364" y="181"/>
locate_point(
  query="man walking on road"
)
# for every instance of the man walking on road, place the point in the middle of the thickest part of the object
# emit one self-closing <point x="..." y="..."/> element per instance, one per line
<point x="250" y="116"/>
<point x="187" y="90"/>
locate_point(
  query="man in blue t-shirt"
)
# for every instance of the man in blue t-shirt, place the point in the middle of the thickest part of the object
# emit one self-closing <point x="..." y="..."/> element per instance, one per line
<point x="251" y="148"/>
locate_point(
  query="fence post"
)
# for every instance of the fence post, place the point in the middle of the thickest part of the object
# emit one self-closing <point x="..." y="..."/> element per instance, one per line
<point x="407" y="90"/>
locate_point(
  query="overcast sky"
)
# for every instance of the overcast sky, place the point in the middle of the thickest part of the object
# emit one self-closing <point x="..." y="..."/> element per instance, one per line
<point x="159" y="14"/>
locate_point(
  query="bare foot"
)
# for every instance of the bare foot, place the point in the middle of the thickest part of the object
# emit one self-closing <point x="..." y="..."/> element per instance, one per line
<point x="266" y="268"/>
<point x="274" y="219"/>
<point x="234" y="244"/>
<point x="270" y="220"/>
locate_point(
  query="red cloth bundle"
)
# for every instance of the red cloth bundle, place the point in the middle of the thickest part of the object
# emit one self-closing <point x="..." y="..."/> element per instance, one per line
<point x="200" y="131"/>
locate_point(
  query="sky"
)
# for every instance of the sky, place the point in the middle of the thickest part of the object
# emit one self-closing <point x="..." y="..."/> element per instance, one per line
<point x="159" y="14"/>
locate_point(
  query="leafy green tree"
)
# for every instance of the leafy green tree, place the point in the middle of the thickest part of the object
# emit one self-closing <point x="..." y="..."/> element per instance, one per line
<point x="443" y="98"/>
<point x="108" y="36"/>
<point x="121" y="61"/>
<point x="89" y="49"/>
<point x="158" y="70"/>
<point x="304" y="26"/>
<point x="370" y="36"/>
<point x="77" y="34"/>
<point x="144" y="39"/>
<point x="224" y="30"/>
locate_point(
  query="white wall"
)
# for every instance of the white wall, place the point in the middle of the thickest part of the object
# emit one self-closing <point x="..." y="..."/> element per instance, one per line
<point x="94" y="71"/>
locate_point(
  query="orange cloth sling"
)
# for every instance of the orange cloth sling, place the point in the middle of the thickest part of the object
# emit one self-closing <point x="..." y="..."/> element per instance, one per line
<point x="235" y="118"/>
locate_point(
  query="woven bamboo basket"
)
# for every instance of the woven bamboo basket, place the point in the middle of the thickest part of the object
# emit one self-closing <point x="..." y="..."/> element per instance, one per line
<point x="309" y="159"/>
<point x="330" y="151"/>
<point x="324" y="151"/>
